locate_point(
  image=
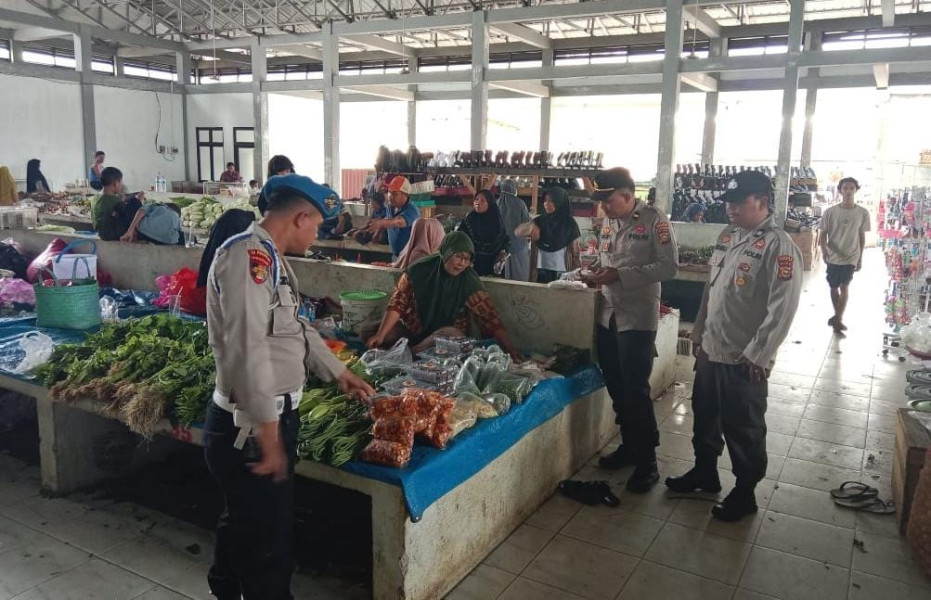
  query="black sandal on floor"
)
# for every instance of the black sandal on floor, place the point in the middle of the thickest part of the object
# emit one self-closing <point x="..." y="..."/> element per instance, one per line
<point x="854" y="490"/>
<point x="869" y="504"/>
<point x="589" y="493"/>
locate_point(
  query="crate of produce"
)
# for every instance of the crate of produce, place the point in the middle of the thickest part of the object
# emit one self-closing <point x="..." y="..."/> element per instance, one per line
<point x="13" y="217"/>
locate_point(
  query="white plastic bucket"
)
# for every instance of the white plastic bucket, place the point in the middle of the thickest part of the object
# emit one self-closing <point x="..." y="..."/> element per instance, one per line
<point x="360" y="307"/>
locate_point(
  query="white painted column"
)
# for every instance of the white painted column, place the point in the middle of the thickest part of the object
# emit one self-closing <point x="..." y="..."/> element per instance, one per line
<point x="16" y="51"/>
<point x="260" y="154"/>
<point x="332" y="171"/>
<point x="546" y="104"/>
<point x="812" y="42"/>
<point x="718" y="48"/>
<point x="184" y="66"/>
<point x="668" y="106"/>
<point x="789" y="96"/>
<point x="479" y="120"/>
<point x="412" y="67"/>
<point x="82" y="61"/>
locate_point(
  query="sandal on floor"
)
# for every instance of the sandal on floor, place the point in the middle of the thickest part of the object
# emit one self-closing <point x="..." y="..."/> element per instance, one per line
<point x="854" y="490"/>
<point x="589" y="493"/>
<point x="870" y="505"/>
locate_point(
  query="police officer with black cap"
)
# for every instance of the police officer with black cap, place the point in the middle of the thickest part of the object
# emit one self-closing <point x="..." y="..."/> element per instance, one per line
<point x="263" y="354"/>
<point x="637" y="252"/>
<point x="748" y="306"/>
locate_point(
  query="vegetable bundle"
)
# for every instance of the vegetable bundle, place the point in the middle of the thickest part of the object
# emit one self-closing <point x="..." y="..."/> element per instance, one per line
<point x="204" y="213"/>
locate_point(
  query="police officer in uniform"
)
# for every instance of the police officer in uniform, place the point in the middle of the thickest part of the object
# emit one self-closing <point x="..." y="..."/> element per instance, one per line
<point x="637" y="252"/>
<point x="263" y="355"/>
<point x="748" y="306"/>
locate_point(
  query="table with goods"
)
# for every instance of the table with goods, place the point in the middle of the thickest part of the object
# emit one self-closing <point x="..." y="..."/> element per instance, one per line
<point x="459" y="425"/>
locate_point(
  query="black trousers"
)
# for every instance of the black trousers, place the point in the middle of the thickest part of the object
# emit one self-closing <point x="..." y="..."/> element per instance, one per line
<point x="727" y="403"/>
<point x="626" y="360"/>
<point x="254" y="545"/>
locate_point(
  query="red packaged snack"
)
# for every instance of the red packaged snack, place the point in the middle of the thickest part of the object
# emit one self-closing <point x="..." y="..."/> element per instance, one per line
<point x="390" y="454"/>
<point x="394" y="406"/>
<point x="442" y="429"/>
<point x="395" y="429"/>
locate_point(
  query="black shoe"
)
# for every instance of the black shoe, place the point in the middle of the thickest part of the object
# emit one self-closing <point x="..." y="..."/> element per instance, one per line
<point x="644" y="478"/>
<point x="738" y="504"/>
<point x="704" y="480"/>
<point x="620" y="458"/>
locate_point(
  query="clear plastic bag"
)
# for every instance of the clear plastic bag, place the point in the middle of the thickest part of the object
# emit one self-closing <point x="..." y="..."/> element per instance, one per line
<point x="501" y="402"/>
<point x="483" y="409"/>
<point x="488" y="378"/>
<point x="513" y="386"/>
<point x="38" y="348"/>
<point x="462" y="417"/>
<point x="393" y="361"/>
<point x="109" y="310"/>
<point x="466" y="380"/>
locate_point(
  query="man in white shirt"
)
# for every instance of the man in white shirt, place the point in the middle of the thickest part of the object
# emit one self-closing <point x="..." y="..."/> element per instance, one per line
<point x="842" y="236"/>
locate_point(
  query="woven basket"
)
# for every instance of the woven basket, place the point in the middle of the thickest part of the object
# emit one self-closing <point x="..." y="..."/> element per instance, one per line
<point x="919" y="520"/>
<point x="75" y="306"/>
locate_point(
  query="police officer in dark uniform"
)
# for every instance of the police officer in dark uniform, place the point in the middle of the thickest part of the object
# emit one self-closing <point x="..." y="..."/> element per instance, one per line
<point x="263" y="354"/>
<point x="748" y="306"/>
<point x="638" y="251"/>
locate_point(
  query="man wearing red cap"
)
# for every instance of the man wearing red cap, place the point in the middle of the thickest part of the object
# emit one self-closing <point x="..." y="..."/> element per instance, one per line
<point x="401" y="215"/>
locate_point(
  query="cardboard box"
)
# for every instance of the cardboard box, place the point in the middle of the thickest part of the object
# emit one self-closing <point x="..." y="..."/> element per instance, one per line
<point x="806" y="242"/>
<point x="911" y="444"/>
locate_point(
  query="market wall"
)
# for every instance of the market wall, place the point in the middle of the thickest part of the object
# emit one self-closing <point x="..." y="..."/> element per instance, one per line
<point x="41" y="119"/>
<point x="128" y="124"/>
<point x="216" y="110"/>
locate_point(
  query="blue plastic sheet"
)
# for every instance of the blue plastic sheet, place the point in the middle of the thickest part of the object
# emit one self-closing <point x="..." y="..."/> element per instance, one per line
<point x="431" y="473"/>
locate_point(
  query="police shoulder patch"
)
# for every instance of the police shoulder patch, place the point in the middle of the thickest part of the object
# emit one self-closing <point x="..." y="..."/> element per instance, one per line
<point x="786" y="264"/>
<point x="725" y="239"/>
<point x="260" y="263"/>
<point x="662" y="232"/>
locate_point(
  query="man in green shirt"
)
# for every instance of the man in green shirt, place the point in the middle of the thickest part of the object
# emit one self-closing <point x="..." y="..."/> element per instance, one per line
<point x="109" y="212"/>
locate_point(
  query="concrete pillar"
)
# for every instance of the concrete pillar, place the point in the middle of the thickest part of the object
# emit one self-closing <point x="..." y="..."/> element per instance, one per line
<point x="332" y="171"/>
<point x="546" y="105"/>
<point x="16" y="51"/>
<point x="812" y="42"/>
<point x="789" y="96"/>
<point x="184" y="67"/>
<point x="668" y="106"/>
<point x="718" y="48"/>
<point x="479" y="120"/>
<point x="260" y="154"/>
<point x="119" y="66"/>
<point x="83" y="64"/>
<point x="412" y="66"/>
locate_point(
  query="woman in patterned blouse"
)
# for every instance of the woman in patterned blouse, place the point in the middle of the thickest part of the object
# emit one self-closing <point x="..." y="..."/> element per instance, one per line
<point x="439" y="296"/>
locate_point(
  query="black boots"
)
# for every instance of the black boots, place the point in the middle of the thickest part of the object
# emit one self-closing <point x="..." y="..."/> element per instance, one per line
<point x="644" y="478"/>
<point x="624" y="456"/>
<point x="738" y="504"/>
<point x="702" y="477"/>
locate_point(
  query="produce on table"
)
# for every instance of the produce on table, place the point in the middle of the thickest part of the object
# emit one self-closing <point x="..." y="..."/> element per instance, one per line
<point x="695" y="257"/>
<point x="202" y="214"/>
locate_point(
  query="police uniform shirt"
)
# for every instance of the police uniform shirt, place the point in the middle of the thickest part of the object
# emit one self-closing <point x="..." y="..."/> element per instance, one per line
<point x="262" y="349"/>
<point x="751" y="296"/>
<point x="642" y="248"/>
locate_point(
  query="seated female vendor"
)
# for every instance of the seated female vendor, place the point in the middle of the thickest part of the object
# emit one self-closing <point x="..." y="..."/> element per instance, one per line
<point x="439" y="296"/>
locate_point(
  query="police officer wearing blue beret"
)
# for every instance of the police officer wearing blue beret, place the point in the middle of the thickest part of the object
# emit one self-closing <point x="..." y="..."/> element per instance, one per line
<point x="263" y="354"/>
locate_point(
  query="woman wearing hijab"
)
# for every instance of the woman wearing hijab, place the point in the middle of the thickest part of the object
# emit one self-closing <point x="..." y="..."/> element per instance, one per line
<point x="35" y="180"/>
<point x="230" y="223"/>
<point x="486" y="230"/>
<point x="556" y="235"/>
<point x="8" y="194"/>
<point x="426" y="237"/>
<point x="514" y="213"/>
<point x="441" y="295"/>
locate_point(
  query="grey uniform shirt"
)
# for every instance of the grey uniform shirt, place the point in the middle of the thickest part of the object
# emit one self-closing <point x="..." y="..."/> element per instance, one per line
<point x="751" y="295"/>
<point x="643" y="250"/>
<point x="843" y="227"/>
<point x="262" y="349"/>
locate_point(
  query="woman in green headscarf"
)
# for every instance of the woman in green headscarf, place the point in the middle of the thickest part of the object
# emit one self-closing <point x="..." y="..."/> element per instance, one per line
<point x="440" y="295"/>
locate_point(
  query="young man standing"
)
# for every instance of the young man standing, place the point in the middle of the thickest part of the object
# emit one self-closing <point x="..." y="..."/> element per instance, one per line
<point x="638" y="251"/>
<point x="842" y="236"/>
<point x="748" y="306"/>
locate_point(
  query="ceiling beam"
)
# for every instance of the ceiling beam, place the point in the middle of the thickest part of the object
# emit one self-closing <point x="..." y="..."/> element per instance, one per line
<point x="526" y="88"/>
<point x="377" y="43"/>
<point x="525" y="34"/>
<point x="881" y="75"/>
<point x="385" y="92"/>
<point x="305" y="51"/>
<point x="701" y="81"/>
<point x="888" y="11"/>
<point x="34" y="34"/>
<point x="701" y="21"/>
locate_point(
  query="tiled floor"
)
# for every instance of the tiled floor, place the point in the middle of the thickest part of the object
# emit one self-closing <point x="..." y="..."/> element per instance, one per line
<point x="830" y="418"/>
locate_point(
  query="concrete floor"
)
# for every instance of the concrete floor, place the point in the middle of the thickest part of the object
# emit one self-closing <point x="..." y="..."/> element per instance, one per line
<point x="830" y="420"/>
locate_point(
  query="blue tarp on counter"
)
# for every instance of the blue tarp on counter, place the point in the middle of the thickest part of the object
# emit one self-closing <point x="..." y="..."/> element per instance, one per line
<point x="432" y="473"/>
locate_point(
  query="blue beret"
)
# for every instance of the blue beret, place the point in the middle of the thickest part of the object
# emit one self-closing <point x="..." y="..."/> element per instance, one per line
<point x="323" y="198"/>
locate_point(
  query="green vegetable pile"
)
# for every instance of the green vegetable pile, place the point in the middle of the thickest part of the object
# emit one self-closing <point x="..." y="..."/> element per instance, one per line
<point x="334" y="427"/>
<point x="140" y="369"/>
<point x="695" y="257"/>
